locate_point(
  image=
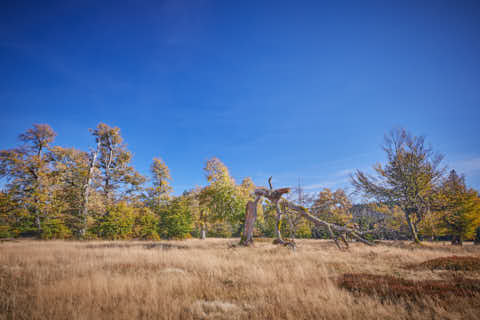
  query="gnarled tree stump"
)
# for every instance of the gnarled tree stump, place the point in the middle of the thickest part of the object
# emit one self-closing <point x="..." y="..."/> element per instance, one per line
<point x="250" y="217"/>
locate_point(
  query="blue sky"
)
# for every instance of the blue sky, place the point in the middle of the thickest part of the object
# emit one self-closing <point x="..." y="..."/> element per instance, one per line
<point x="293" y="89"/>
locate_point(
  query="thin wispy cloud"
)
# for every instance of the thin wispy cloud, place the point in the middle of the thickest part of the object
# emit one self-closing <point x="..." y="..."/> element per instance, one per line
<point x="338" y="179"/>
<point x="326" y="184"/>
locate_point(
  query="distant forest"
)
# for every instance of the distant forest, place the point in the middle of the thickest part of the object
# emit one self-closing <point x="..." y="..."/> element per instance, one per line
<point x="51" y="192"/>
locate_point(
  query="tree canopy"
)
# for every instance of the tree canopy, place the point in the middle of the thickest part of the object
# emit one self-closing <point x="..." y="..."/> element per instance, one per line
<point x="52" y="191"/>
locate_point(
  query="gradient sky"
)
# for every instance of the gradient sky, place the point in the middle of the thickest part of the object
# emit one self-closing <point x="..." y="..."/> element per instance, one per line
<point x="300" y="90"/>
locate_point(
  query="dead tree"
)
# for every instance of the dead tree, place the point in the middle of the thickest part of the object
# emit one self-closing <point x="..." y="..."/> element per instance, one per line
<point x="250" y="217"/>
<point x="275" y="196"/>
<point x="86" y="189"/>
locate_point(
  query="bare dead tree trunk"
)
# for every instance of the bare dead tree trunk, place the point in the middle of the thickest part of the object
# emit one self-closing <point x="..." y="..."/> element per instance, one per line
<point x="272" y="195"/>
<point x="250" y="217"/>
<point x="38" y="223"/>
<point x="86" y="193"/>
<point x="203" y="226"/>
<point x="330" y="226"/>
<point x="275" y="196"/>
<point x="278" y="224"/>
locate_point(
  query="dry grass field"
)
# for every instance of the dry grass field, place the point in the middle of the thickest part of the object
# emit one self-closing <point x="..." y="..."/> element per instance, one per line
<point x="214" y="279"/>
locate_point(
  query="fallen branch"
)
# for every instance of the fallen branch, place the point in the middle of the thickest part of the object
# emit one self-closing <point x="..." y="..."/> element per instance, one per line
<point x="275" y="196"/>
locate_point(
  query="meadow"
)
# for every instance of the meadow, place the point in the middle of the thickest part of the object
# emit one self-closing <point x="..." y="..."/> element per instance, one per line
<point x="216" y="279"/>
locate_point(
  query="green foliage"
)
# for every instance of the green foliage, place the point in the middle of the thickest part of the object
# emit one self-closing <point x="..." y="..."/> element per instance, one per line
<point x="118" y="223"/>
<point x="304" y="230"/>
<point x="55" y="229"/>
<point x="146" y="225"/>
<point x="5" y="231"/>
<point x="220" y="230"/>
<point x="176" y="221"/>
<point x="222" y="201"/>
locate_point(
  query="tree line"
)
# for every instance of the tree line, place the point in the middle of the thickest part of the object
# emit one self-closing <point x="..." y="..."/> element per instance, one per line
<point x="52" y="192"/>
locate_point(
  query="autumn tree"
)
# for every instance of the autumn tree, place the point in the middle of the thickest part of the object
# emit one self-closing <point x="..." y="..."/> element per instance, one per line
<point x="387" y="222"/>
<point x="27" y="170"/>
<point x="408" y="179"/>
<point x="87" y="187"/>
<point x="71" y="171"/>
<point x="221" y="201"/>
<point x="176" y="220"/>
<point x="294" y="225"/>
<point x="333" y="207"/>
<point x="460" y="211"/>
<point x="159" y="193"/>
<point x="114" y="159"/>
<point x="11" y="213"/>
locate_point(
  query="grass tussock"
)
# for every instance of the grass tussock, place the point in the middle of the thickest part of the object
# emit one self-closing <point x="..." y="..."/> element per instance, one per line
<point x="214" y="279"/>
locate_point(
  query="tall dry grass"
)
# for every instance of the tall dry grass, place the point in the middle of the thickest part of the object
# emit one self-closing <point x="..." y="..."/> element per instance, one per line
<point x="212" y="279"/>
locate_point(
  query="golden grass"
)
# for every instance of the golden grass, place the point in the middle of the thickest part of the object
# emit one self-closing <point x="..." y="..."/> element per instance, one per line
<point x="212" y="279"/>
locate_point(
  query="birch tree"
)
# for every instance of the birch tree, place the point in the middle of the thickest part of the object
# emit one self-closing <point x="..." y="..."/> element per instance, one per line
<point x="114" y="164"/>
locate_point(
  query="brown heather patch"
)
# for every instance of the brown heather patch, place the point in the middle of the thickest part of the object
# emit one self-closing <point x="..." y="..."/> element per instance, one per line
<point x="214" y="279"/>
<point x="392" y="287"/>
<point x="452" y="263"/>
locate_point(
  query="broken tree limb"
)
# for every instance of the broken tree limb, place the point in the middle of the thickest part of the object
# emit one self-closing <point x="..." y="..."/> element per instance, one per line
<point x="275" y="196"/>
<point x="330" y="226"/>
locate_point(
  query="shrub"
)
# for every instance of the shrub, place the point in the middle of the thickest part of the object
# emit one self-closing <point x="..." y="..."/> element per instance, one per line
<point x="220" y="230"/>
<point x="55" y="229"/>
<point x="146" y="225"/>
<point x="118" y="223"/>
<point x="176" y="219"/>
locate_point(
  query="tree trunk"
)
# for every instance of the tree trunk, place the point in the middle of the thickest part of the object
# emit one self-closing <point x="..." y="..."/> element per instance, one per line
<point x="278" y="223"/>
<point x="203" y="226"/>
<point x="39" y="224"/>
<point x="412" y="228"/>
<point x="250" y="217"/>
<point x="457" y="240"/>
<point x="477" y="237"/>
<point x="86" y="193"/>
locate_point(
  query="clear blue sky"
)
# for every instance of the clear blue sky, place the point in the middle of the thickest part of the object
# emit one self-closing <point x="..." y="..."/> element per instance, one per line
<point x="292" y="89"/>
